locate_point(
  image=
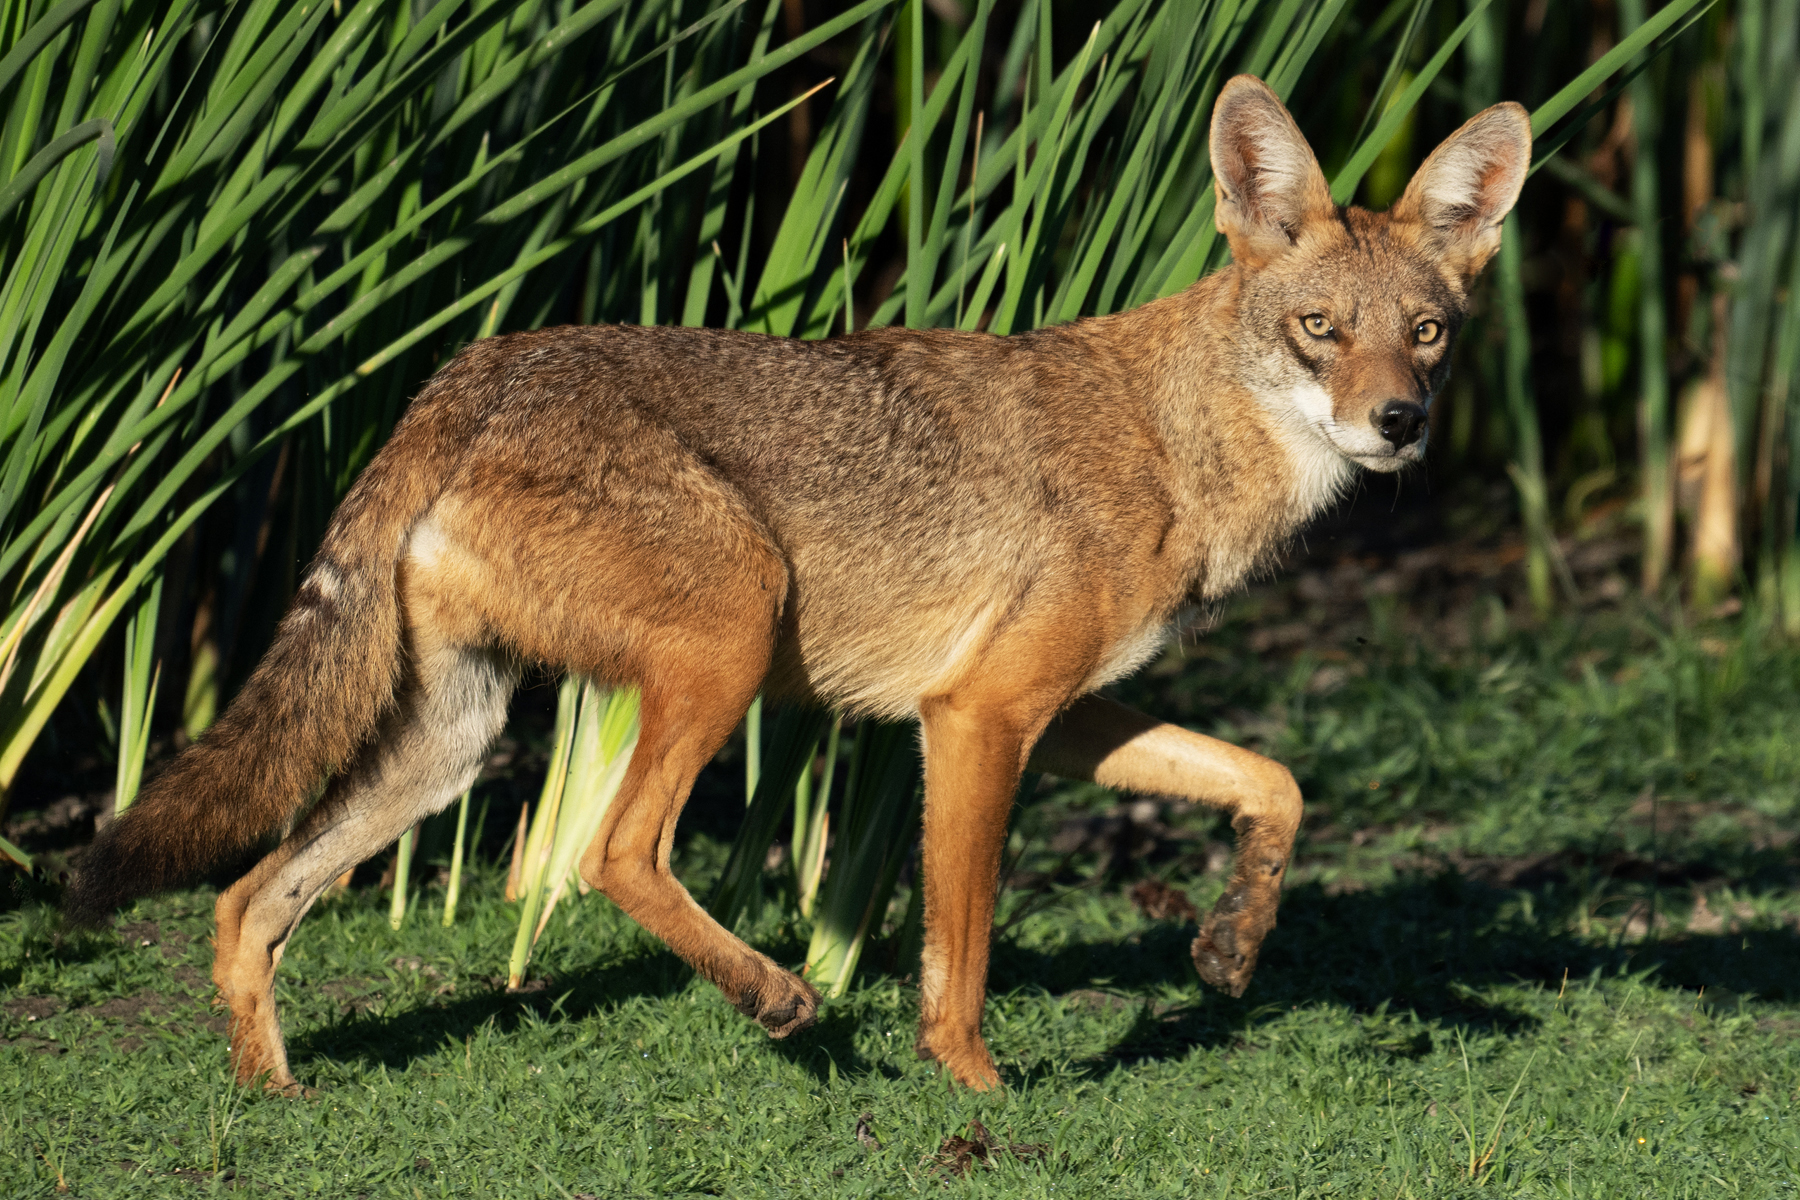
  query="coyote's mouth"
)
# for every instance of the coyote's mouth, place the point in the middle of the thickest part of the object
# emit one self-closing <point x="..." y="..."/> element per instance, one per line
<point x="1389" y="459"/>
<point x="1369" y="451"/>
<point x="1315" y="409"/>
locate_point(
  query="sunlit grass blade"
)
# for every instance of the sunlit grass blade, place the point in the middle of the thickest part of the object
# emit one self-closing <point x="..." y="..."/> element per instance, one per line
<point x="15" y="856"/>
<point x="1038" y="184"/>
<point x="879" y="815"/>
<point x="790" y="750"/>
<point x="143" y="672"/>
<point x="805" y="234"/>
<point x="534" y="859"/>
<point x="453" y="886"/>
<point x="812" y="822"/>
<point x="21" y="185"/>
<point x="1571" y="94"/>
<point x="605" y="737"/>
<point x="403" y="856"/>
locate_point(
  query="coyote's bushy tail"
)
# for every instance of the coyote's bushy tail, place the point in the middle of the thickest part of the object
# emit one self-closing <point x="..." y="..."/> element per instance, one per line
<point x="308" y="708"/>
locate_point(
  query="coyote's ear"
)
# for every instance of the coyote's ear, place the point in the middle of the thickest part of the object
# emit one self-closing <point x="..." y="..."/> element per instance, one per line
<point x="1269" y="184"/>
<point x="1465" y="189"/>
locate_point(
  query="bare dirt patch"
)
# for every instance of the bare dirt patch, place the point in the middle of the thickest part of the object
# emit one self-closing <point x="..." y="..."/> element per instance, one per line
<point x="127" y="1019"/>
<point x="171" y="942"/>
<point x="147" y="1010"/>
<point x="353" y="995"/>
<point x="33" y="1008"/>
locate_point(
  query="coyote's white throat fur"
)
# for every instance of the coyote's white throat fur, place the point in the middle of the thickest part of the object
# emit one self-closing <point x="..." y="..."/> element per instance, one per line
<point x="972" y="531"/>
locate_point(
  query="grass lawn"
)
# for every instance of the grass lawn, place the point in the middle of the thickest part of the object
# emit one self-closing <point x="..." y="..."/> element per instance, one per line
<point x="1540" y="940"/>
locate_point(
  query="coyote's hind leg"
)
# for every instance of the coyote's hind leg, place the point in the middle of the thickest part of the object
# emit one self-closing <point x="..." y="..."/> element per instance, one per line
<point x="643" y="567"/>
<point x="428" y="751"/>
<point x="694" y="695"/>
<point x="1117" y="747"/>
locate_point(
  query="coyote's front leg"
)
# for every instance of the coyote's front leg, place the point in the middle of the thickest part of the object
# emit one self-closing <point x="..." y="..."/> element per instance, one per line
<point x="1118" y="747"/>
<point x="973" y="755"/>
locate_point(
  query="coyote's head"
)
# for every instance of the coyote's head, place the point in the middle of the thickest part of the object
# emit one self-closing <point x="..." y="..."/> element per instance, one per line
<point x="1348" y="316"/>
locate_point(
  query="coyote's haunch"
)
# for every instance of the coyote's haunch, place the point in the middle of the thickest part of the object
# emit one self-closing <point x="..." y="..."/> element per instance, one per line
<point x="974" y="531"/>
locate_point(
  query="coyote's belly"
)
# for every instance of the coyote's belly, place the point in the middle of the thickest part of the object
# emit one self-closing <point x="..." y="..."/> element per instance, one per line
<point x="880" y="637"/>
<point x="892" y="669"/>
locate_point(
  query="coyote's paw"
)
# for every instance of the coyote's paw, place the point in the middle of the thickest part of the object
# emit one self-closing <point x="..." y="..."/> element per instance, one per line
<point x="1225" y="952"/>
<point x="966" y="1058"/>
<point x="292" y="1089"/>
<point x="275" y="1081"/>
<point x="781" y="1003"/>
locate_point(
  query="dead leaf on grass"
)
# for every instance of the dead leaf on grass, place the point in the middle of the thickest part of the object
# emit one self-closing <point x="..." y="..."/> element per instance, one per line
<point x="1158" y="901"/>
<point x="864" y="1134"/>
<point x="958" y="1155"/>
<point x="1704" y="919"/>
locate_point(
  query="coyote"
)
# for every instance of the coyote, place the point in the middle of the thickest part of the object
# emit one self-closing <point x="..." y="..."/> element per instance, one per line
<point x="973" y="531"/>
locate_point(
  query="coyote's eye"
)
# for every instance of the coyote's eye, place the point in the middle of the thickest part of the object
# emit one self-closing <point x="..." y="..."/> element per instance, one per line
<point x="1428" y="332"/>
<point x="1316" y="325"/>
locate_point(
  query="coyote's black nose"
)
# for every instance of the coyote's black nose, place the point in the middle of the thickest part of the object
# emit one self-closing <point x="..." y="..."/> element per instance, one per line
<point x="1400" y="421"/>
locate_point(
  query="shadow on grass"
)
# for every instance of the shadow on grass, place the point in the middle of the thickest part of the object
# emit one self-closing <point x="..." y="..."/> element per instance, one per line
<point x="1427" y="948"/>
<point x="831" y="1043"/>
<point x="395" y="1040"/>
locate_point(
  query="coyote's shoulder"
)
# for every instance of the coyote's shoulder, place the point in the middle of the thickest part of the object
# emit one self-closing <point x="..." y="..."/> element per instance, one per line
<point x="971" y="531"/>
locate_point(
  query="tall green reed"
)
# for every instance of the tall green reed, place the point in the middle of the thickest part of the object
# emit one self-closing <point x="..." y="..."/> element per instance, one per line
<point x="311" y="205"/>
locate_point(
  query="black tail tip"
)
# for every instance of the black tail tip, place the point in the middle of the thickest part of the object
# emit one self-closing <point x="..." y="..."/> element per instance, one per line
<point x="88" y="903"/>
<point x="99" y="887"/>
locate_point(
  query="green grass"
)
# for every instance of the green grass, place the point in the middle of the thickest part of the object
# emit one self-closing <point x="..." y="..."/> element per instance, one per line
<point x="1507" y="915"/>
